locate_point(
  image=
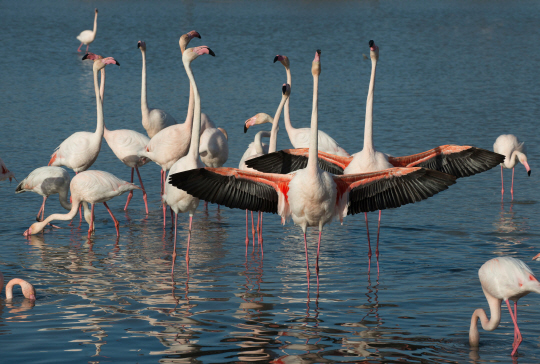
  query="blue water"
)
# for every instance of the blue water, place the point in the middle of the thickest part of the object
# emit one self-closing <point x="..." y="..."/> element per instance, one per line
<point x="460" y="72"/>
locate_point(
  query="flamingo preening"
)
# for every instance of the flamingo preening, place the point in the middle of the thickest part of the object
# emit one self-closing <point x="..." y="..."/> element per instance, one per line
<point x="311" y="196"/>
<point x="502" y="279"/>
<point x="513" y="151"/>
<point x="87" y="36"/>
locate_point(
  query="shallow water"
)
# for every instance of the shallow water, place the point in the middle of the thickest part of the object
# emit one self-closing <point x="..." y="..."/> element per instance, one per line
<point x="449" y="72"/>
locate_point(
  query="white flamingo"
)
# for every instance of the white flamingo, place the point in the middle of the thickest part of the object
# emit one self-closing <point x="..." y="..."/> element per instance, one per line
<point x="27" y="288"/>
<point x="87" y="36"/>
<point x="513" y="151"/>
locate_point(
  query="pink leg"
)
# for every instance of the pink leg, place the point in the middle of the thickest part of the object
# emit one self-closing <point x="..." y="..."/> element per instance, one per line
<point x="172" y="217"/>
<point x="317" y="263"/>
<point x="369" y="244"/>
<point x="143" y="190"/>
<point x="188" y="239"/>
<point x="252" y="229"/>
<point x="41" y="210"/>
<point x="260" y="232"/>
<point x="130" y="195"/>
<point x="516" y="329"/>
<point x="79" y="49"/>
<point x="258" y="227"/>
<point x="247" y="236"/>
<point x="307" y="259"/>
<point x="174" y="248"/>
<point x="91" y="221"/>
<point x="87" y="48"/>
<point x="116" y="223"/>
<point x="377" y="249"/>
<point x="512" y="188"/>
<point x="502" y="183"/>
<point x="206" y="205"/>
<point x="517" y="335"/>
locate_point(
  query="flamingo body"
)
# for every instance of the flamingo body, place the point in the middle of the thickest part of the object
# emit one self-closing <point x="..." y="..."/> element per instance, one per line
<point x="213" y="147"/>
<point x="513" y="150"/>
<point x="87" y="36"/>
<point x="125" y="144"/>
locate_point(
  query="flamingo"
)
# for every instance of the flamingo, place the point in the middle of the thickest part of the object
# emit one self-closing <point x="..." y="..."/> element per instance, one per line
<point x="27" y="288"/>
<point x="311" y="196"/>
<point x="459" y="161"/>
<point x="88" y="36"/>
<point x="46" y="181"/>
<point x="91" y="187"/>
<point x="503" y="279"/>
<point x="256" y="148"/>
<point x="5" y="173"/>
<point x="513" y="151"/>
<point x="179" y="200"/>
<point x="124" y="143"/>
<point x="300" y="137"/>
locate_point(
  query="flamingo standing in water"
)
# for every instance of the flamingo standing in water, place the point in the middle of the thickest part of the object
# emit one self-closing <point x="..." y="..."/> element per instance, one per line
<point x="27" y="288"/>
<point x="5" y="173"/>
<point x="459" y="161"/>
<point x="124" y="143"/>
<point x="513" y="151"/>
<point x="91" y="187"/>
<point x="46" y="181"/>
<point x="503" y="279"/>
<point x="178" y="200"/>
<point x="88" y="36"/>
<point x="311" y="196"/>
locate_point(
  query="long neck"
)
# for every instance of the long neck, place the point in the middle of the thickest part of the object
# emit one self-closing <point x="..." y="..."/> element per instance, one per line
<point x="63" y="197"/>
<point x="196" y="128"/>
<point x="95" y="25"/>
<point x="102" y="93"/>
<point x="99" y="104"/>
<point x="144" y="103"/>
<point x="258" y="142"/>
<point x="368" y="131"/>
<point x="70" y="215"/>
<point x="191" y="107"/>
<point x="275" y="126"/>
<point x="487" y="324"/>
<point x="26" y="287"/>
<point x="314" y="140"/>
<point x="287" y="116"/>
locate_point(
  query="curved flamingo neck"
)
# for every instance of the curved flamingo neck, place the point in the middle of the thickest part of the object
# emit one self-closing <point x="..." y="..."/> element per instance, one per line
<point x="314" y="140"/>
<point x="368" y="131"/>
<point x="27" y="289"/>
<point x="487" y="324"/>
<point x="144" y="103"/>
<point x="275" y="126"/>
<point x="286" y="112"/>
<point x="196" y="127"/>
<point x="258" y="142"/>
<point x="63" y="197"/>
<point x="70" y="215"/>
<point x="99" y="105"/>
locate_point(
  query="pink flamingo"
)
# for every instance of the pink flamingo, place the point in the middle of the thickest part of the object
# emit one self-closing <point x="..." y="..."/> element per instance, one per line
<point x="503" y="279"/>
<point x="311" y="196"/>
<point x="88" y="36"/>
<point x="27" y="288"/>
<point x="91" y="187"/>
<point x="459" y="161"/>
<point x="5" y="173"/>
<point x="47" y="181"/>
<point x="513" y="151"/>
<point x="124" y="143"/>
<point x="179" y="200"/>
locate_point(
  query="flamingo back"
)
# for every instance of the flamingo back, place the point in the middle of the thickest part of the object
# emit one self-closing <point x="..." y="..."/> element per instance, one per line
<point x="507" y="278"/>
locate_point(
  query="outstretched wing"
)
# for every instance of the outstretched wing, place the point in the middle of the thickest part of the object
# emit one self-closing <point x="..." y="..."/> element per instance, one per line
<point x="457" y="160"/>
<point x="290" y="160"/>
<point x="391" y="188"/>
<point x="234" y="188"/>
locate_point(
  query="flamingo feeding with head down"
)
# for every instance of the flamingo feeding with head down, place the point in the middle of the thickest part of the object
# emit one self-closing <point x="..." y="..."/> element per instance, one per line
<point x="300" y="137"/>
<point x="46" y="181"/>
<point x="124" y="143"/>
<point x="87" y="36"/>
<point x="503" y="279"/>
<point x="311" y="196"/>
<point x="5" y="173"/>
<point x="459" y="161"/>
<point x="91" y="187"/>
<point x="513" y="151"/>
<point x="180" y="201"/>
<point x="27" y="289"/>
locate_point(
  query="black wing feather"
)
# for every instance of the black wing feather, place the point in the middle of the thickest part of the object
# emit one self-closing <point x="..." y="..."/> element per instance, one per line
<point x="283" y="163"/>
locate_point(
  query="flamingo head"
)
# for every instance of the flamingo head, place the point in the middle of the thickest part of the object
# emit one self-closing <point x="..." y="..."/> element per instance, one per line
<point x="522" y="157"/>
<point x="34" y="229"/>
<point x="141" y="45"/>
<point x="373" y="50"/>
<point x="286" y="90"/>
<point x="96" y="11"/>
<point x="192" y="53"/>
<point x="316" y="65"/>
<point x="102" y="62"/>
<point x="186" y="38"/>
<point x="260" y="118"/>
<point x="283" y="59"/>
<point x="91" y="56"/>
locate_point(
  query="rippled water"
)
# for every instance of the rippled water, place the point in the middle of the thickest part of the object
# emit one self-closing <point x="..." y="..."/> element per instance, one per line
<point x="449" y="72"/>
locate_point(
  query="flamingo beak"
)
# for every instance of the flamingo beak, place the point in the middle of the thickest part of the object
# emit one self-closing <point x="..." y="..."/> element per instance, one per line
<point x="527" y="168"/>
<point x="249" y="122"/>
<point x="277" y="58"/>
<point x="536" y="257"/>
<point x="32" y="297"/>
<point x="85" y="56"/>
<point x="27" y="233"/>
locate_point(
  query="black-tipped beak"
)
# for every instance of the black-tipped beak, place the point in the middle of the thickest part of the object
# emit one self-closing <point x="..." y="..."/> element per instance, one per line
<point x="319" y="52"/>
<point x="371" y="43"/>
<point x="211" y="52"/>
<point x="284" y="89"/>
<point x="276" y="58"/>
<point x="529" y="172"/>
<point x="139" y="45"/>
<point x="198" y="36"/>
<point x="118" y="63"/>
<point x="85" y="56"/>
<point x="245" y="128"/>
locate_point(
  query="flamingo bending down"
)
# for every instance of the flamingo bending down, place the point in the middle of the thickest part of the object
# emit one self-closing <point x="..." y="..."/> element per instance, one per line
<point x="178" y="200"/>
<point x="513" y="151"/>
<point x="27" y="288"/>
<point x="5" y="173"/>
<point x="88" y="36"/>
<point x="91" y="187"/>
<point x="503" y="279"/>
<point x="311" y="196"/>
<point x="46" y="181"/>
<point x="459" y="161"/>
<point x="124" y="143"/>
